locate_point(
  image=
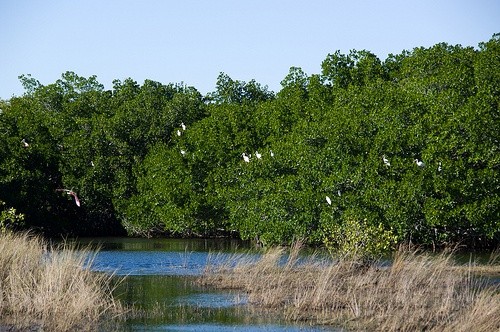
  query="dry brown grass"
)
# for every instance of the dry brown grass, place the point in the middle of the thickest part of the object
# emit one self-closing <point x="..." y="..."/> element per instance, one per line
<point x="45" y="288"/>
<point x="416" y="292"/>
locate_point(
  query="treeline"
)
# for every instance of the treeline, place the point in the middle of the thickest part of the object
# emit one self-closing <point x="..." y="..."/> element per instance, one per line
<point x="367" y="154"/>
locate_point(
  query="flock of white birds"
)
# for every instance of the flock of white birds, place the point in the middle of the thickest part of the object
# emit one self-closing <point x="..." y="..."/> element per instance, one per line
<point x="387" y="163"/>
<point x="246" y="158"/>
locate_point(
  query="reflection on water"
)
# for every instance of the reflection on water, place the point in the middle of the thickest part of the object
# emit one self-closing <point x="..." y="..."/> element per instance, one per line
<point x="180" y="257"/>
<point x="176" y="245"/>
<point x="159" y="286"/>
<point x="223" y="328"/>
<point x="150" y="262"/>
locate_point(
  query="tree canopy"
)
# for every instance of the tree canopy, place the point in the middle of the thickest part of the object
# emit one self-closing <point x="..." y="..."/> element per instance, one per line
<point x="364" y="155"/>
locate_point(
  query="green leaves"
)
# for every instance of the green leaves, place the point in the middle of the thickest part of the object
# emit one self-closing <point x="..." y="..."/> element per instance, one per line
<point x="162" y="159"/>
<point x="10" y="219"/>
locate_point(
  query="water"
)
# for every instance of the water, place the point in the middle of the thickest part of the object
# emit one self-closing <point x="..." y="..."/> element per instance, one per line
<point x="157" y="281"/>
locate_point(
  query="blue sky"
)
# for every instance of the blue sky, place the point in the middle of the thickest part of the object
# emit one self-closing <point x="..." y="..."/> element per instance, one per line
<point x="193" y="41"/>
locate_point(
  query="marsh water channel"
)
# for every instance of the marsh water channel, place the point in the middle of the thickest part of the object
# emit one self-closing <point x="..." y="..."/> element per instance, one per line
<point x="156" y="279"/>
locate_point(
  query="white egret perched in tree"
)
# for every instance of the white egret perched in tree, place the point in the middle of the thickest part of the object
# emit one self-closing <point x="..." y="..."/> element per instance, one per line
<point x="178" y="132"/>
<point x="419" y="163"/>
<point x="386" y="161"/>
<point x="328" y="200"/>
<point x="183" y="126"/>
<point x="439" y="167"/>
<point x="183" y="152"/>
<point x="245" y="157"/>
<point x="24" y="143"/>
<point x="258" y="155"/>
<point x="272" y="153"/>
<point x="72" y="193"/>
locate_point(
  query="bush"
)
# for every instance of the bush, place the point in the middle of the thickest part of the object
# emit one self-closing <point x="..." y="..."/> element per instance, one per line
<point x="10" y="219"/>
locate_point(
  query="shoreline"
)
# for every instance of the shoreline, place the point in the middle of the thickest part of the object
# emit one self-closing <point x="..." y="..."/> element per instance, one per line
<point x="416" y="292"/>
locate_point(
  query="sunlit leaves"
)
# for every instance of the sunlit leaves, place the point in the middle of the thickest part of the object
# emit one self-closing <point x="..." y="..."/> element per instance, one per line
<point x="162" y="159"/>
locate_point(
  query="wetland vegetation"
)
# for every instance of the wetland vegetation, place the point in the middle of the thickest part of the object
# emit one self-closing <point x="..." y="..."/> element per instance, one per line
<point x="44" y="287"/>
<point x="163" y="284"/>
<point x="412" y="291"/>
<point x="365" y="157"/>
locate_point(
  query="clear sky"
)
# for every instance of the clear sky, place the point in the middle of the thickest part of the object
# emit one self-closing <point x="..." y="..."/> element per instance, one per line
<point x="192" y="41"/>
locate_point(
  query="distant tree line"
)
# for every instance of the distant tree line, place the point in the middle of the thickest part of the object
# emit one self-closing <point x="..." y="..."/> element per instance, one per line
<point x="330" y="159"/>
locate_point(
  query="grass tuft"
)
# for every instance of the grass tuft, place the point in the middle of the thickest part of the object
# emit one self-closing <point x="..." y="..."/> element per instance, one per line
<point x="50" y="288"/>
<point x="416" y="291"/>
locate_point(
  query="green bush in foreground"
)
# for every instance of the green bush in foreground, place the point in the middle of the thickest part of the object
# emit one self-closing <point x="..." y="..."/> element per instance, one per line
<point x="10" y="219"/>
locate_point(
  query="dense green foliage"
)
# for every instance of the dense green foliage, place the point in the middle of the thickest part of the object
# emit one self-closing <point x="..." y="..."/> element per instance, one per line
<point x="135" y="168"/>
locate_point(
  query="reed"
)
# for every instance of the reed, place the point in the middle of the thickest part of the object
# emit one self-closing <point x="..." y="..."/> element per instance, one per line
<point x="49" y="288"/>
<point x="416" y="291"/>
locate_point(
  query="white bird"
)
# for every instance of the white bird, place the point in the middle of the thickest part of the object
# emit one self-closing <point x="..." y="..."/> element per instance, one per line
<point x="183" y="126"/>
<point x="419" y="163"/>
<point x="328" y="200"/>
<point x="178" y="132"/>
<point x="272" y="153"/>
<point x="386" y="161"/>
<point x="258" y="155"/>
<point x="245" y="157"/>
<point x="183" y="152"/>
<point x="92" y="163"/>
<point x="72" y="193"/>
<point x="339" y="193"/>
<point x="24" y="143"/>
<point x="439" y="167"/>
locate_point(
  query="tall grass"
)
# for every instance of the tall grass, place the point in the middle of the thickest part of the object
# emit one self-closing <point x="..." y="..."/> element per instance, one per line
<point x="49" y="288"/>
<point x="415" y="292"/>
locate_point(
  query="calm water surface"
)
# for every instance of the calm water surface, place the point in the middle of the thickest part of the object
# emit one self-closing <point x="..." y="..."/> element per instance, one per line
<point x="158" y="284"/>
